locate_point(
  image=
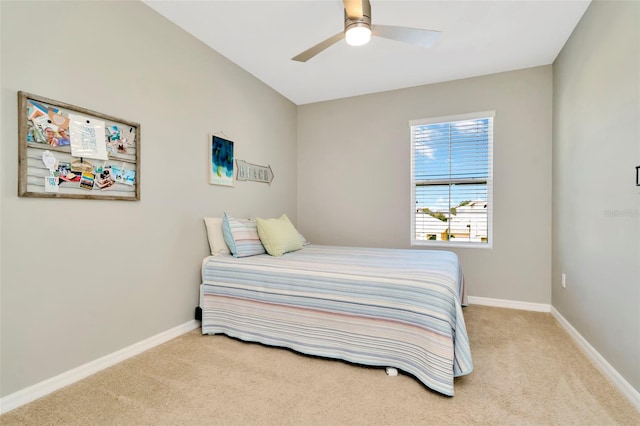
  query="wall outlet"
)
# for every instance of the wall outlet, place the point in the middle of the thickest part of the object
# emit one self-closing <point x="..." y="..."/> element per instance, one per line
<point x="564" y="280"/>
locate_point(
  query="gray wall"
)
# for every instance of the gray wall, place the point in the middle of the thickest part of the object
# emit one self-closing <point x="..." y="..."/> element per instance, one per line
<point x="596" y="205"/>
<point x="354" y="174"/>
<point x="82" y="279"/>
<point x="60" y="310"/>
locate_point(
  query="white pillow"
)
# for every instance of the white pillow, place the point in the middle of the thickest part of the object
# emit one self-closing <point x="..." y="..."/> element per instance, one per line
<point x="303" y="239"/>
<point x="216" y="237"/>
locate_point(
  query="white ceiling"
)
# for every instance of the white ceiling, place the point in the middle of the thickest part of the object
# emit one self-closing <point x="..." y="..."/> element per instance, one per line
<point x="478" y="37"/>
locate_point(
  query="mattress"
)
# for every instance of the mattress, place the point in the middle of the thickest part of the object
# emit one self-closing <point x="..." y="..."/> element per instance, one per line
<point x="377" y="307"/>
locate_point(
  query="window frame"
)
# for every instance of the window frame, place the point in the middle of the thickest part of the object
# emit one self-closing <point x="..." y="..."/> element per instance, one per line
<point x="448" y="119"/>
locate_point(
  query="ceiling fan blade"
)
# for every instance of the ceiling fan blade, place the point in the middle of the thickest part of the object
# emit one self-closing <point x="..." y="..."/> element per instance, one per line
<point x="310" y="53"/>
<point x="354" y="8"/>
<point x="424" y="38"/>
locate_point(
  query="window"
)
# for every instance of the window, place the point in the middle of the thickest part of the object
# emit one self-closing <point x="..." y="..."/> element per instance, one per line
<point x="451" y="180"/>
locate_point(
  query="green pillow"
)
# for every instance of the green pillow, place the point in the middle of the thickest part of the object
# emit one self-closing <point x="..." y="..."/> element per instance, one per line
<point x="278" y="236"/>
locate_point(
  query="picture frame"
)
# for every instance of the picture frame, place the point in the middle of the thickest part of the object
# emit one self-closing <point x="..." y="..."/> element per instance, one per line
<point x="63" y="150"/>
<point x="637" y="175"/>
<point x="221" y="164"/>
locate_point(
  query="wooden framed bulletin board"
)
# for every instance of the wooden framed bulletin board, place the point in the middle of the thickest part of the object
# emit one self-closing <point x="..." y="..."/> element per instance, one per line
<point x="67" y="151"/>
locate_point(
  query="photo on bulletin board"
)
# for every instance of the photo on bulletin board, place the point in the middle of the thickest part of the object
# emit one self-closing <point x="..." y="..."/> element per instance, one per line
<point x="220" y="161"/>
<point x="66" y="151"/>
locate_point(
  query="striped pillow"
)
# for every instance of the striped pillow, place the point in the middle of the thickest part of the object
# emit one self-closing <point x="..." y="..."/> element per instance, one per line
<point x="241" y="236"/>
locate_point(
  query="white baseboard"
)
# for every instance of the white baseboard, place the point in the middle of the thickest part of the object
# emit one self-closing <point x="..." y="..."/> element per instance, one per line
<point x="48" y="386"/>
<point x="511" y="304"/>
<point x="605" y="368"/>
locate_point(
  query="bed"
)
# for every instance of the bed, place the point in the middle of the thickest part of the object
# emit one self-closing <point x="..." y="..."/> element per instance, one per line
<point x="377" y="307"/>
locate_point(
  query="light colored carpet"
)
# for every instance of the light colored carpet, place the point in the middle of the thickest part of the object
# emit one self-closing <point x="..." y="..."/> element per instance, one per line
<point x="527" y="371"/>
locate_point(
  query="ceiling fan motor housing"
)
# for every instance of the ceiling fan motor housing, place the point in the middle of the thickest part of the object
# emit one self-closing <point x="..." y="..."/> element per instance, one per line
<point x="358" y="21"/>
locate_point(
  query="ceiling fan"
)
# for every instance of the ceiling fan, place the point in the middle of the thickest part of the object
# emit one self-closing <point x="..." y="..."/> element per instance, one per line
<point x="358" y="31"/>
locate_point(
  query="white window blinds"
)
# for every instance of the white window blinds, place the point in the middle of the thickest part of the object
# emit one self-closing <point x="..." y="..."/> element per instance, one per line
<point x="452" y="179"/>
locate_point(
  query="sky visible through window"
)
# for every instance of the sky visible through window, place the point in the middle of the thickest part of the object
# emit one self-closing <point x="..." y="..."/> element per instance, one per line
<point x="456" y="150"/>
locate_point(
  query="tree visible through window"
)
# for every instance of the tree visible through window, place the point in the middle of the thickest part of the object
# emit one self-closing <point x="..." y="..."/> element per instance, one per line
<point x="451" y="179"/>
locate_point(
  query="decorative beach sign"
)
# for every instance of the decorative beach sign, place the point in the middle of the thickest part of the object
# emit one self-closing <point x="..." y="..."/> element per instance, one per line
<point x="221" y="161"/>
<point x="253" y="172"/>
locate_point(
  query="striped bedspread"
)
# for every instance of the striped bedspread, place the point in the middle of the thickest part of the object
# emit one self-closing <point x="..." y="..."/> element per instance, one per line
<point x="378" y="307"/>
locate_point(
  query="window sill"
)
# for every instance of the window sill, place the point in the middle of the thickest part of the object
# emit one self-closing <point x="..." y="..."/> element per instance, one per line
<point x="450" y="245"/>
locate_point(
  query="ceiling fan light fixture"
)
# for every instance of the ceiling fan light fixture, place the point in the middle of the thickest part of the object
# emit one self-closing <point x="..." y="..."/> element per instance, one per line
<point x="358" y="31"/>
<point x="358" y="34"/>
